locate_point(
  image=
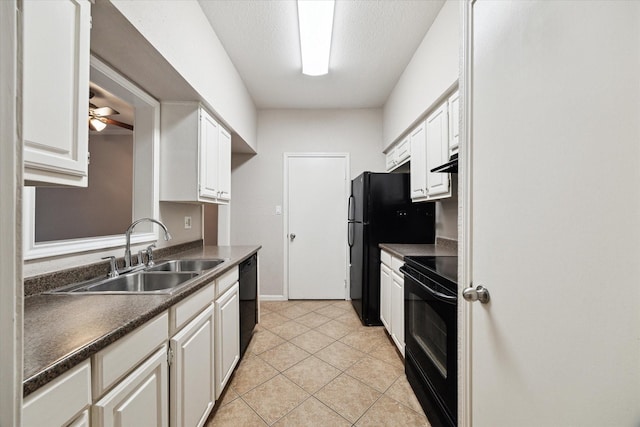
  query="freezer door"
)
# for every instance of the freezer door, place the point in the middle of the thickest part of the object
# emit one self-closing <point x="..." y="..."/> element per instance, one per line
<point x="358" y="192"/>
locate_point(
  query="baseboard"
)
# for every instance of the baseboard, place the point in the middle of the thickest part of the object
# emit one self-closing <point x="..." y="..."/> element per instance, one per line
<point x="272" y="298"/>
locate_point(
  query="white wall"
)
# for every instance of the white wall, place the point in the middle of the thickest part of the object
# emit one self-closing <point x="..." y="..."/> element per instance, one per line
<point x="172" y="215"/>
<point x="179" y="31"/>
<point x="257" y="180"/>
<point x="433" y="69"/>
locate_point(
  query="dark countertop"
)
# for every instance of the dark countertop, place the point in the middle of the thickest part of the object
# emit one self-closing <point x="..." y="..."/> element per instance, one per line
<point x="63" y="330"/>
<point x="402" y="249"/>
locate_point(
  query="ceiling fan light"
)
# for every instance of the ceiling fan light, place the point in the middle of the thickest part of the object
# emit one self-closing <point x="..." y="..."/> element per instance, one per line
<point x="97" y="125"/>
<point x="315" y="22"/>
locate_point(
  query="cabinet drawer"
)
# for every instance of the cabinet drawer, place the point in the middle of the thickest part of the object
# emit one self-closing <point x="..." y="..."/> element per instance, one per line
<point x="225" y="281"/>
<point x="385" y="258"/>
<point x="58" y="402"/>
<point x="189" y="308"/>
<point x="114" y="362"/>
<point x="396" y="263"/>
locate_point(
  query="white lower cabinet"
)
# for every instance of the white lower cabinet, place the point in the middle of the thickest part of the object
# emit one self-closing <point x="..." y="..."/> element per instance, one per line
<point x="392" y="297"/>
<point x="227" y="336"/>
<point x="64" y="401"/>
<point x="140" y="400"/>
<point x="397" y="311"/>
<point x="81" y="420"/>
<point x="385" y="296"/>
<point x="167" y="372"/>
<point x="192" y="389"/>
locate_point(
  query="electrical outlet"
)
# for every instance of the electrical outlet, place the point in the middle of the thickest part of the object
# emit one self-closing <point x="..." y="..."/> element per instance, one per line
<point x="278" y="210"/>
<point x="187" y="222"/>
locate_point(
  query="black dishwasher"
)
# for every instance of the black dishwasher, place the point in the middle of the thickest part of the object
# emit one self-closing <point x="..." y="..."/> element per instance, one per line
<point x="248" y="300"/>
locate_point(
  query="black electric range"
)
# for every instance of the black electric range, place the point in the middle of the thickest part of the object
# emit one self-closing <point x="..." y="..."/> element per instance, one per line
<point x="431" y="334"/>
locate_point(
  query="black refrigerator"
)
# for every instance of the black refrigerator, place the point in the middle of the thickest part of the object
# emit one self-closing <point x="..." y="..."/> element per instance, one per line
<point x="380" y="211"/>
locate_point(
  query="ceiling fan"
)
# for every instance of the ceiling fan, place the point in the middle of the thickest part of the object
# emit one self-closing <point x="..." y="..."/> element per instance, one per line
<point x="98" y="117"/>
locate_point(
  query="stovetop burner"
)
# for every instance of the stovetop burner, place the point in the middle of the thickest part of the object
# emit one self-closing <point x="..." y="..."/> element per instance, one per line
<point x="443" y="266"/>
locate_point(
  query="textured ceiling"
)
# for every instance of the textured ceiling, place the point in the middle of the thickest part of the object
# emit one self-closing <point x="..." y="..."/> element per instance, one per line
<point x="373" y="41"/>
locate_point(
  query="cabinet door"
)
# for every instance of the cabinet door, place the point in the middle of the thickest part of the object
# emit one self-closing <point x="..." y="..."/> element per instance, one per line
<point x="454" y="122"/>
<point x="385" y="296"/>
<point x="224" y="165"/>
<point x="56" y="91"/>
<point x="192" y="372"/>
<point x="140" y="400"/>
<point x="397" y="311"/>
<point x="437" y="131"/>
<point x="208" y="156"/>
<point x="390" y="160"/>
<point x="402" y="151"/>
<point x="418" y="163"/>
<point x="227" y="336"/>
<point x="81" y="420"/>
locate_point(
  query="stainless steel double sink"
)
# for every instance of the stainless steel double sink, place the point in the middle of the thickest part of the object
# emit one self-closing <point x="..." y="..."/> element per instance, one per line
<point x="163" y="278"/>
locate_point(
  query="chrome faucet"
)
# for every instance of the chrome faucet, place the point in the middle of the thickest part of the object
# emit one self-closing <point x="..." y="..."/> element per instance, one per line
<point x="127" y="249"/>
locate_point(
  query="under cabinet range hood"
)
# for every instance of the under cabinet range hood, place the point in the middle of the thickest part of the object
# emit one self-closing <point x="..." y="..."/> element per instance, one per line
<point x="450" y="167"/>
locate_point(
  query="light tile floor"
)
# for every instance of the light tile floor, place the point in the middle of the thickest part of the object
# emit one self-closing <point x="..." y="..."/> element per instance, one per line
<point x="312" y="363"/>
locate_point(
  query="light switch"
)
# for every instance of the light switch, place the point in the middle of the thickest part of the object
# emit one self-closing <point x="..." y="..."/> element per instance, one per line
<point x="278" y="210"/>
<point x="187" y="222"/>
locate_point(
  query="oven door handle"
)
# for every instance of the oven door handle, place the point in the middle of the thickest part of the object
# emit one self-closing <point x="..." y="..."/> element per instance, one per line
<point x="437" y="295"/>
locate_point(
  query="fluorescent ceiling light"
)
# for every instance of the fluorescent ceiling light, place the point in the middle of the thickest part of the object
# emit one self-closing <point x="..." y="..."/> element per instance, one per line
<point x="315" y="20"/>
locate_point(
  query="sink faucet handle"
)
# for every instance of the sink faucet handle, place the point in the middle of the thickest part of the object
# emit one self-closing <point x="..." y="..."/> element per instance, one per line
<point x="150" y="254"/>
<point x="141" y="253"/>
<point x="113" y="268"/>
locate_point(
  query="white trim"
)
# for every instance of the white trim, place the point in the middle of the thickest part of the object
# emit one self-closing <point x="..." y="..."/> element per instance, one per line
<point x="285" y="214"/>
<point x="465" y="213"/>
<point x="146" y="150"/>
<point x="11" y="291"/>
<point x="34" y="250"/>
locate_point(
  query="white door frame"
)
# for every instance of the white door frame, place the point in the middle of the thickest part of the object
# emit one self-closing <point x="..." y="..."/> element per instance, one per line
<point x="465" y="216"/>
<point x="11" y="291"/>
<point x="285" y="218"/>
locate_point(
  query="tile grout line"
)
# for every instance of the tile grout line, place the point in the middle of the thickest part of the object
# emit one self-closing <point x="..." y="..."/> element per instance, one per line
<point x="347" y="322"/>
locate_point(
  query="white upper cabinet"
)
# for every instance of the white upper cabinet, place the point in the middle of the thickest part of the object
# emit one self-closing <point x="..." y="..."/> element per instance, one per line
<point x="418" y="140"/>
<point x="399" y="154"/>
<point x="209" y="156"/>
<point x="454" y="122"/>
<point x="195" y="155"/>
<point x="437" y="129"/>
<point x="224" y="161"/>
<point x="56" y="41"/>
<point x="432" y="143"/>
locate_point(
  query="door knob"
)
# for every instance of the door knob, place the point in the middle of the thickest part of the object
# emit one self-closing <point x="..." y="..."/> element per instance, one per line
<point x="292" y="236"/>
<point x="479" y="293"/>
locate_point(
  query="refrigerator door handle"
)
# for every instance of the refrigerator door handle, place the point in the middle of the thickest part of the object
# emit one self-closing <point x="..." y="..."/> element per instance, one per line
<point x="350" y="213"/>
<point x="350" y="234"/>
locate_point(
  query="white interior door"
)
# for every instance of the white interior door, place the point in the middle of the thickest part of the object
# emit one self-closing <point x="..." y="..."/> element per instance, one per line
<point x="555" y="214"/>
<point x="317" y="194"/>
